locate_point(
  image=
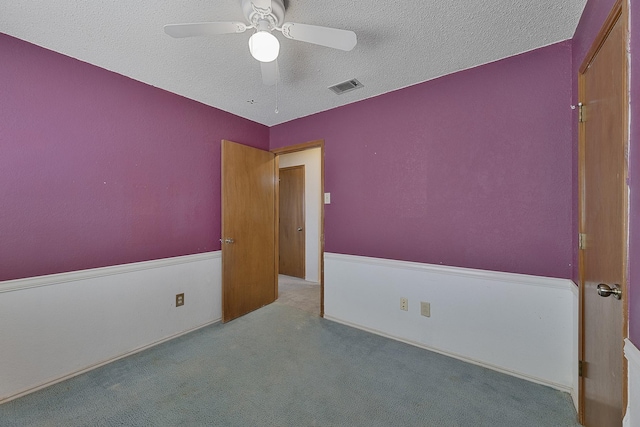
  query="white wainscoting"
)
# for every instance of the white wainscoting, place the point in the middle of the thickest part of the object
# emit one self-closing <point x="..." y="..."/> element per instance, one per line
<point x="632" y="417"/>
<point x="57" y="326"/>
<point x="526" y="326"/>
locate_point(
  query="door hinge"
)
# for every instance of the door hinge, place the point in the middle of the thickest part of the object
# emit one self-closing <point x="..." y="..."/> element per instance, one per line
<point x="580" y="368"/>
<point x="582" y="241"/>
<point x="581" y="112"/>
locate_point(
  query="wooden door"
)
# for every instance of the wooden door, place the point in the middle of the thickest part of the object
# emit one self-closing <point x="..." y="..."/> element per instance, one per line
<point x="603" y="139"/>
<point x="248" y="229"/>
<point x="292" y="225"/>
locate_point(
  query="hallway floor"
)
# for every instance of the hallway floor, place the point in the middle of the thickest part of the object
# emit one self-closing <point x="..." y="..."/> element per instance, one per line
<point x="299" y="293"/>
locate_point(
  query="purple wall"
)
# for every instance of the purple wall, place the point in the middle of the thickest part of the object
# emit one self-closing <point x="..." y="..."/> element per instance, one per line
<point x="593" y="17"/>
<point x="97" y="169"/>
<point x="472" y="169"/>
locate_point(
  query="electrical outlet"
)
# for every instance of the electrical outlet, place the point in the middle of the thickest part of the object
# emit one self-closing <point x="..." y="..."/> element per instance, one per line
<point x="327" y="198"/>
<point x="179" y="300"/>
<point x="425" y="309"/>
<point x="404" y="304"/>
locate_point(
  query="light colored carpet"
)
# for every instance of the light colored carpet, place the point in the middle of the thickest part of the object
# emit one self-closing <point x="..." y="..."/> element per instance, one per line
<point x="299" y="293"/>
<point x="280" y="366"/>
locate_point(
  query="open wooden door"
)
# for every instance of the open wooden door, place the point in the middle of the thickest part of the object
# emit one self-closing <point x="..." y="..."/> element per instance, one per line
<point x="292" y="222"/>
<point x="249" y="271"/>
<point x="603" y="225"/>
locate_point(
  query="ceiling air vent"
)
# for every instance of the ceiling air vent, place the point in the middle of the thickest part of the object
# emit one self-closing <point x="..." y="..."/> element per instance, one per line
<point x="347" y="86"/>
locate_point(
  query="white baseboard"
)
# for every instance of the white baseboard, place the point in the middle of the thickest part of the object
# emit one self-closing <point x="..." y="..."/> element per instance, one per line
<point x="58" y="326"/>
<point x="632" y="354"/>
<point x="526" y="326"/>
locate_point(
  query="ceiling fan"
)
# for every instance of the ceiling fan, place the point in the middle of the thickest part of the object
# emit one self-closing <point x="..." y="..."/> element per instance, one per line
<point x="266" y="16"/>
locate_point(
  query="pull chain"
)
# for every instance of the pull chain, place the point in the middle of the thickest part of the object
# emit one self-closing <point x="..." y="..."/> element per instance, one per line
<point x="277" y="96"/>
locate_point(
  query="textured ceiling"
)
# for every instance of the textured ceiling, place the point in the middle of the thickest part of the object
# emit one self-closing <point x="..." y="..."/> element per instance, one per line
<point x="400" y="43"/>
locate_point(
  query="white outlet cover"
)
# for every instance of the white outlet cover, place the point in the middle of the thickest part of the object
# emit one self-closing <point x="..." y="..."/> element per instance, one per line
<point x="327" y="198"/>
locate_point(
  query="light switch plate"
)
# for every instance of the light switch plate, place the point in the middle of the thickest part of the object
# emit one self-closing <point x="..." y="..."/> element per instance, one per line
<point x="327" y="198"/>
<point x="425" y="309"/>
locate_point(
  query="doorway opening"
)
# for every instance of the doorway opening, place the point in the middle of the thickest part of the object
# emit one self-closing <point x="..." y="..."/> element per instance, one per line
<point x="304" y="290"/>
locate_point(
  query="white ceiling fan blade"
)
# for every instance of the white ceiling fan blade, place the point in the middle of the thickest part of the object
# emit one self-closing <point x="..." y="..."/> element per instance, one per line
<point x="204" y="29"/>
<point x="323" y="36"/>
<point x="269" y="72"/>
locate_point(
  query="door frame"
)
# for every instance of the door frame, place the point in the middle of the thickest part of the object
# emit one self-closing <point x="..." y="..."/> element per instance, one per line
<point x="618" y="11"/>
<point x="292" y="149"/>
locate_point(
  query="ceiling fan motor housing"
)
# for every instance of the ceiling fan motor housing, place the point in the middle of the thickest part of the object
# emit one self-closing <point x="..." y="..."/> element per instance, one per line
<point x="254" y="13"/>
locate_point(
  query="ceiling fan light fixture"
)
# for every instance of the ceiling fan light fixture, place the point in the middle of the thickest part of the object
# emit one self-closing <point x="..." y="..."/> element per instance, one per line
<point x="264" y="46"/>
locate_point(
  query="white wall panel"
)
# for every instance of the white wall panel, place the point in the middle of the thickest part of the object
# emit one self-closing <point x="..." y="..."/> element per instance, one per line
<point x="522" y="325"/>
<point x="53" y="327"/>
<point x="632" y="354"/>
